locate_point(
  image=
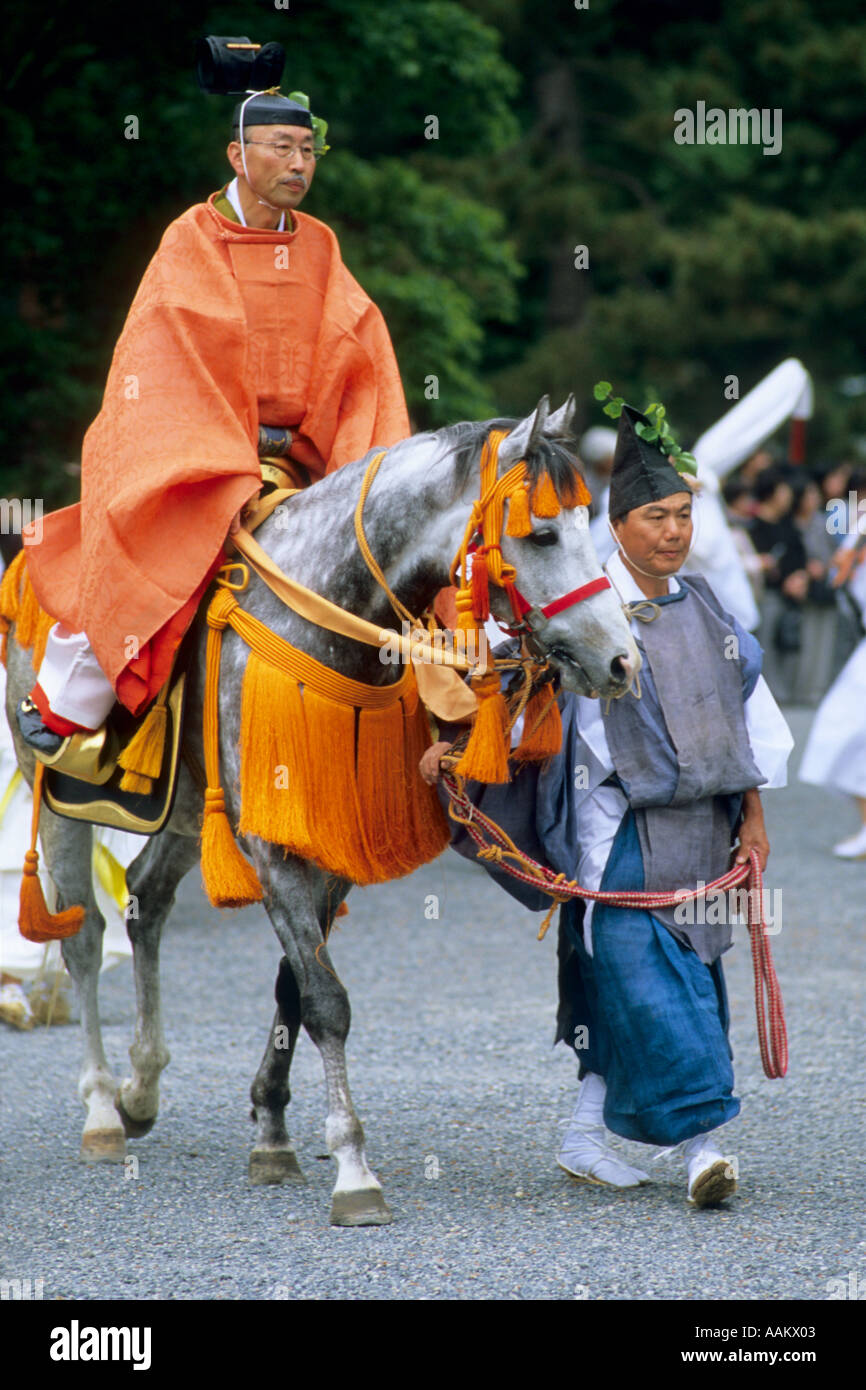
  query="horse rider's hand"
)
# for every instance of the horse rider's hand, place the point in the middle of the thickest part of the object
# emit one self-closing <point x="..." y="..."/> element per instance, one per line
<point x="429" y="764"/>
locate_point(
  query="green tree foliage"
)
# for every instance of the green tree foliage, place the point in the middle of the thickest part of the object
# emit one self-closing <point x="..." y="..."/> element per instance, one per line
<point x="554" y="130"/>
<point x="704" y="260"/>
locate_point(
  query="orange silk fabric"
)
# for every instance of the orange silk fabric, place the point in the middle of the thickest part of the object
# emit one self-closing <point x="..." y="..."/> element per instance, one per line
<point x="230" y="326"/>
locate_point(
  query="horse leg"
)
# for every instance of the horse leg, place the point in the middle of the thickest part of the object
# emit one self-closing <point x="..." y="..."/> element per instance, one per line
<point x="273" y="1158"/>
<point x="296" y="902"/>
<point x="68" y="847"/>
<point x="152" y="880"/>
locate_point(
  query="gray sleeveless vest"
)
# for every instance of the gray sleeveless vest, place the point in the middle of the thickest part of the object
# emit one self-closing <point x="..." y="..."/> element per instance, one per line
<point x="693" y="700"/>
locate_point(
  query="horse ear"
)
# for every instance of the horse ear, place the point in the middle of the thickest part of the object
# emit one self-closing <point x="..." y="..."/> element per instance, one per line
<point x="525" y="436"/>
<point x="560" y="424"/>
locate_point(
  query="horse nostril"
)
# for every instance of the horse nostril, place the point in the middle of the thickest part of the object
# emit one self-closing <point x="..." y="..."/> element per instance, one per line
<point x="621" y="669"/>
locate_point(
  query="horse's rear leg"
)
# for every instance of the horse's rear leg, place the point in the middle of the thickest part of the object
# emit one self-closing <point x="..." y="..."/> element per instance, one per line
<point x="68" y="848"/>
<point x="152" y="880"/>
<point x="273" y="1159"/>
<point x="296" y="902"/>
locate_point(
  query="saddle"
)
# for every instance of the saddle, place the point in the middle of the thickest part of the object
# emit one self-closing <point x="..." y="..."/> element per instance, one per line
<point x="124" y="775"/>
<point x="84" y="779"/>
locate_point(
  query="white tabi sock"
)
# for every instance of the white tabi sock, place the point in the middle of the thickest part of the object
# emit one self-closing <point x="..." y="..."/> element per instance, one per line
<point x="711" y="1175"/>
<point x="584" y="1153"/>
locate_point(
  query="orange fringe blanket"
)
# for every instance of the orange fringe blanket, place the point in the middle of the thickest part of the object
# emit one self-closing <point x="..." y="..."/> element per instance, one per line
<point x="329" y="767"/>
<point x="19" y="605"/>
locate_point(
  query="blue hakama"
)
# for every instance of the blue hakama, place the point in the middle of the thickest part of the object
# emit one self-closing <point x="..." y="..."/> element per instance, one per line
<point x="656" y="1017"/>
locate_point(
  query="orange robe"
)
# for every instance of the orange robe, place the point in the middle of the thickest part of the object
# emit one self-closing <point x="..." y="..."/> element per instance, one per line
<point x="231" y="326"/>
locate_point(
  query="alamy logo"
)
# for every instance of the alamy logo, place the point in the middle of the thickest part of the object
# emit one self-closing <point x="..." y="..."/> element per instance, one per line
<point x="22" y="518"/>
<point x="16" y="1289"/>
<point x="77" y="1343"/>
<point x="721" y="909"/>
<point x="736" y="126"/>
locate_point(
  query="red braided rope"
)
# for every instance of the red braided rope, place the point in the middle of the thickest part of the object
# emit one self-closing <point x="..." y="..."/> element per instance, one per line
<point x="487" y="835"/>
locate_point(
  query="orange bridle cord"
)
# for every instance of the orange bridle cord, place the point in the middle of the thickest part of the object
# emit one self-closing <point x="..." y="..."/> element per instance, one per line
<point x="486" y="518"/>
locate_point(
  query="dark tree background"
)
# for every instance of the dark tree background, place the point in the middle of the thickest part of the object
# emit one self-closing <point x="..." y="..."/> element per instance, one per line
<point x="555" y="130"/>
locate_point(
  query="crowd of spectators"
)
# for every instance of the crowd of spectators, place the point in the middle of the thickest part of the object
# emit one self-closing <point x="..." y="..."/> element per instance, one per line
<point x="788" y="522"/>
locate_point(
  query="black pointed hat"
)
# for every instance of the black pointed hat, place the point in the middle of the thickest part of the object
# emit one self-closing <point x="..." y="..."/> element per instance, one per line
<point x="641" y="473"/>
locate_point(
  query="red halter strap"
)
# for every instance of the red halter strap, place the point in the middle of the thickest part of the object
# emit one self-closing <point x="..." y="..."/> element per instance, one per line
<point x="520" y="605"/>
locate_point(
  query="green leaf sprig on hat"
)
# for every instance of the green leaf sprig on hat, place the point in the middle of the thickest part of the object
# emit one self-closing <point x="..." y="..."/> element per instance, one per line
<point x="320" y="125"/>
<point x="657" y="432"/>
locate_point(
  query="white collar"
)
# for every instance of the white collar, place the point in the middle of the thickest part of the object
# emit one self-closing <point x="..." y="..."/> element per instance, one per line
<point x="625" y="583"/>
<point x="234" y="198"/>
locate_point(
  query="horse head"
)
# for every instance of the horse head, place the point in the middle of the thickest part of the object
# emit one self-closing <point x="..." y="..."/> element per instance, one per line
<point x="569" y="612"/>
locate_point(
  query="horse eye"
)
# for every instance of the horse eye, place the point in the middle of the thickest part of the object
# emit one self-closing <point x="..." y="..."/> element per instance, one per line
<point x="548" y="537"/>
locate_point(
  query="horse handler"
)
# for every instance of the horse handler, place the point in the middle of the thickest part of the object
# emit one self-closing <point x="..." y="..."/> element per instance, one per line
<point x="648" y="793"/>
<point x="247" y="336"/>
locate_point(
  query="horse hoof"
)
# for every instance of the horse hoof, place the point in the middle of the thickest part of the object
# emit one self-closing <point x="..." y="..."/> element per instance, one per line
<point x="103" y="1146"/>
<point x="133" y="1129"/>
<point x="365" y="1208"/>
<point x="271" y="1166"/>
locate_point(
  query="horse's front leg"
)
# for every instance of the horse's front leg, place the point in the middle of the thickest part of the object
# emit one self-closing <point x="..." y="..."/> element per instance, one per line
<point x="152" y="880"/>
<point x="295" y="896"/>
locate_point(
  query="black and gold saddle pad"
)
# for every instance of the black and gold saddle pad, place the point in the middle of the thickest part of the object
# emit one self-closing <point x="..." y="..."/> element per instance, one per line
<point x="82" y="780"/>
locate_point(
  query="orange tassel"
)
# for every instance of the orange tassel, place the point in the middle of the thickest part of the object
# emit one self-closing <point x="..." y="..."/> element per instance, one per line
<point x="340" y="844"/>
<point x="519" y="519"/>
<point x="35" y="922"/>
<point x="576" y="493"/>
<point x="382" y="788"/>
<point x="486" y="755"/>
<point x="542" y="728"/>
<point x="10" y="588"/>
<point x="275" y="773"/>
<point x="229" y="879"/>
<point x="142" y="758"/>
<point x="466" y="620"/>
<point x="19" y="605"/>
<point x="342" y="910"/>
<point x="302" y="785"/>
<point x="427" y="825"/>
<point x="544" y="499"/>
<point x="480" y="585"/>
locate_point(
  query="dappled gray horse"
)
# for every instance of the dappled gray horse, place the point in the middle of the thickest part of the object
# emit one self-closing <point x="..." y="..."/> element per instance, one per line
<point x="415" y="517"/>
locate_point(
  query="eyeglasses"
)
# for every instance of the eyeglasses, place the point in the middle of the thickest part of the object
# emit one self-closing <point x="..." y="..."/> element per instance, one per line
<point x="287" y="149"/>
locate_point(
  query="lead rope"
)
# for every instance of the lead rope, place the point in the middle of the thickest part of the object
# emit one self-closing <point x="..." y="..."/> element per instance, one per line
<point x="499" y="849"/>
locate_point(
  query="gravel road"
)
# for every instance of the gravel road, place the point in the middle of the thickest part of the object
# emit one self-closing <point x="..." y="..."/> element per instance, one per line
<point x="463" y="1099"/>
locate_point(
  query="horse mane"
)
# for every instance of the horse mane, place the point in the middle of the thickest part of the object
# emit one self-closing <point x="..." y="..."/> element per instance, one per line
<point x="466" y="439"/>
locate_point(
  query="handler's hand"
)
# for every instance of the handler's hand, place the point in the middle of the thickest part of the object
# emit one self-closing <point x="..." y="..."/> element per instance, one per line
<point x="753" y="833"/>
<point x="429" y="764"/>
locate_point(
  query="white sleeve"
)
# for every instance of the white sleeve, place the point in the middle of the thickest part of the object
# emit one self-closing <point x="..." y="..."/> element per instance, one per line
<point x="769" y="735"/>
<point x="599" y="763"/>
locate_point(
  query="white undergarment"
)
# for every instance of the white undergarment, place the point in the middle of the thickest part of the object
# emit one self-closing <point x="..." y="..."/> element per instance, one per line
<point x="74" y="683"/>
<point x="233" y="196"/>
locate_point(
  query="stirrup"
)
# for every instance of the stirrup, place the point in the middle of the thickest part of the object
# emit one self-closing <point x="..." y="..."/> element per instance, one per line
<point x="90" y="755"/>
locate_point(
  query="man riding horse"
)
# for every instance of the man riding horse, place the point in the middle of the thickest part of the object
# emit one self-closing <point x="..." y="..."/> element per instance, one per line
<point x="247" y="336"/>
